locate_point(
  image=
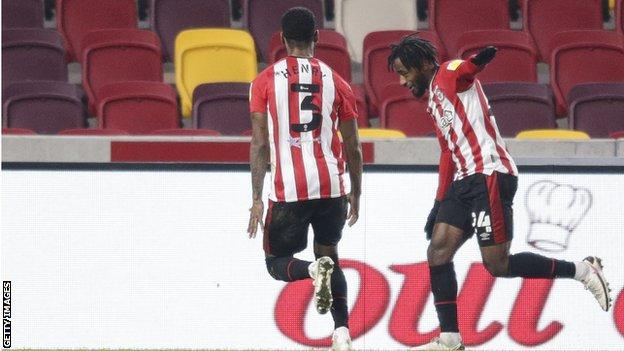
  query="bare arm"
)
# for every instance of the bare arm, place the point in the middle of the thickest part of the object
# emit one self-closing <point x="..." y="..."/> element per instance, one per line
<point x="353" y="151"/>
<point x="258" y="159"/>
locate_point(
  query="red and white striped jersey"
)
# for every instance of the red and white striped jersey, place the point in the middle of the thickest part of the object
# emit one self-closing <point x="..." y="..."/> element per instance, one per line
<point x="304" y="100"/>
<point x="464" y="124"/>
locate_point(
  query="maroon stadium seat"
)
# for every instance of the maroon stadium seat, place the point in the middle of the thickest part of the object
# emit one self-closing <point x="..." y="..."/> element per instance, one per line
<point x="452" y="18"/>
<point x="521" y="106"/>
<point x="77" y="18"/>
<point x="169" y="17"/>
<point x="42" y="106"/>
<point x="584" y="57"/>
<point x="223" y="107"/>
<point x="32" y="54"/>
<point x="331" y="49"/>
<point x="187" y="132"/>
<point x="516" y="59"/>
<point x="401" y="110"/>
<point x="138" y="107"/>
<point x="544" y="19"/>
<point x="17" y="131"/>
<point x="92" y="131"/>
<point x="22" y="14"/>
<point x="376" y="48"/>
<point x="597" y="108"/>
<point x="263" y="18"/>
<point x="119" y="55"/>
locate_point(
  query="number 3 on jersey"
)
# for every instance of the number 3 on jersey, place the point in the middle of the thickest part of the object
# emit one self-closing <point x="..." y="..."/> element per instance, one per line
<point x="307" y="105"/>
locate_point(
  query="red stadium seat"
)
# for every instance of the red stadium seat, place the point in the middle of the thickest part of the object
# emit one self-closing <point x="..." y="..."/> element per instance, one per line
<point x="617" y="135"/>
<point x="362" y="106"/>
<point x="452" y="18"/>
<point x="331" y="49"/>
<point x="186" y="132"/>
<point x="375" y="64"/>
<point x="584" y="57"/>
<point x="92" y="131"/>
<point x="516" y="59"/>
<point x="22" y="14"/>
<point x="544" y="19"/>
<point x="77" y="18"/>
<point x="18" y="131"/>
<point x="119" y="55"/>
<point x="402" y="111"/>
<point x="223" y="107"/>
<point x="138" y="107"/>
<point x="619" y="13"/>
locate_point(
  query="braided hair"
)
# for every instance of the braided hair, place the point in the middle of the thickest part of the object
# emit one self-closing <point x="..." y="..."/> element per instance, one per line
<point x="413" y="52"/>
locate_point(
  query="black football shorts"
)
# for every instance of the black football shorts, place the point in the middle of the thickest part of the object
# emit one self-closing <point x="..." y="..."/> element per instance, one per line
<point x="482" y="205"/>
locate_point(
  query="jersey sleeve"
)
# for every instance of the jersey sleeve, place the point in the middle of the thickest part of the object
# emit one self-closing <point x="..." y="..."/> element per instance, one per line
<point x="346" y="107"/>
<point x="258" y="95"/>
<point x="464" y="72"/>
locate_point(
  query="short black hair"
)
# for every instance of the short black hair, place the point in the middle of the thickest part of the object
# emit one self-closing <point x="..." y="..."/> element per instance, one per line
<point x="413" y="52"/>
<point x="299" y="25"/>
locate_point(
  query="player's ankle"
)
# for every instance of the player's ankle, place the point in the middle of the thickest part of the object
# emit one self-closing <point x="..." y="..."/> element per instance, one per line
<point x="450" y="339"/>
<point x="581" y="271"/>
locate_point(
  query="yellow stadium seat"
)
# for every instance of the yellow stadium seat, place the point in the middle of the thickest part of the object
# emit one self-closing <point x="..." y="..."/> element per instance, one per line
<point x="560" y="134"/>
<point x="380" y="133"/>
<point x="212" y="56"/>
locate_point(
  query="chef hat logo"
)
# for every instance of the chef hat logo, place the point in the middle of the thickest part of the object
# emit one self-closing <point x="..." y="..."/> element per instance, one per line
<point x="555" y="210"/>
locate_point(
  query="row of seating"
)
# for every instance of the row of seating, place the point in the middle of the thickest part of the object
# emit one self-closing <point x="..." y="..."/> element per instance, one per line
<point x="542" y="20"/>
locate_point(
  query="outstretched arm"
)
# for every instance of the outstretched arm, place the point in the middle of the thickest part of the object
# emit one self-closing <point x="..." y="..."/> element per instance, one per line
<point x="476" y="63"/>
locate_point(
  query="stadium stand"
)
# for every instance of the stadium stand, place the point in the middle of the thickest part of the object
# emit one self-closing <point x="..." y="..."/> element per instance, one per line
<point x="597" y="108"/>
<point x="377" y="133"/>
<point x="186" y="132"/>
<point x="558" y="134"/>
<point x="169" y="17"/>
<point x="452" y="18"/>
<point x="45" y="107"/>
<point x="102" y="63"/>
<point x="263" y="17"/>
<point x="516" y="59"/>
<point x="138" y="107"/>
<point x="92" y="132"/>
<point x="32" y="54"/>
<point x="521" y="106"/>
<point x="401" y="111"/>
<point x="544" y="19"/>
<point x="212" y="56"/>
<point x="356" y="18"/>
<point x="331" y="49"/>
<point x="22" y="14"/>
<point x="583" y="57"/>
<point x="17" y="131"/>
<point x="77" y="18"/>
<point x="223" y="107"/>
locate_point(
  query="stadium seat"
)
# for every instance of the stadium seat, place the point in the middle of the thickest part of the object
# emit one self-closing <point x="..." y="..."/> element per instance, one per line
<point x="45" y="107"/>
<point x="378" y="133"/>
<point x="169" y="17"/>
<point x="356" y="18"/>
<point x="32" y="54"/>
<point x="22" y="14"/>
<point x="520" y="106"/>
<point x="516" y="59"/>
<point x="186" y="132"/>
<point x="452" y="18"/>
<point x="263" y="18"/>
<point x="584" y="57"/>
<point x="558" y="134"/>
<point x="92" y="131"/>
<point x="138" y="107"/>
<point x="619" y="14"/>
<point x="400" y="110"/>
<point x="119" y="55"/>
<point x="361" y="104"/>
<point x="223" y="107"/>
<point x="617" y="135"/>
<point x="375" y="66"/>
<point x="77" y="18"/>
<point x="17" y="131"/>
<point x="597" y="108"/>
<point x="212" y="56"/>
<point x="331" y="49"/>
<point x="544" y="19"/>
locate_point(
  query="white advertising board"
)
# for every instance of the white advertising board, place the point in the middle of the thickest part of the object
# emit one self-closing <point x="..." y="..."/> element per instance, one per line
<point x="151" y="259"/>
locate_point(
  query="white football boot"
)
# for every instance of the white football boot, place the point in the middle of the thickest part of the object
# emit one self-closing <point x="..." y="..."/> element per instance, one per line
<point x="341" y="341"/>
<point x="436" y="344"/>
<point x="321" y="271"/>
<point x="595" y="282"/>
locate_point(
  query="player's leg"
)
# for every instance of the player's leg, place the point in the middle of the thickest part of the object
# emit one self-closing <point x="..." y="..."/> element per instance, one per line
<point x="493" y="221"/>
<point x="285" y="233"/>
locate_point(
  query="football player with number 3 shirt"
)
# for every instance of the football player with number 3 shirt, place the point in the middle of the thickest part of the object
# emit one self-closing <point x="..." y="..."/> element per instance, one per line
<point x="298" y="104"/>
<point x="477" y="184"/>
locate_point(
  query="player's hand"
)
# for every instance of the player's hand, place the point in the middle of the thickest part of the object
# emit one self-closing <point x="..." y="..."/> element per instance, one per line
<point x="354" y="208"/>
<point x="431" y="219"/>
<point x="484" y="56"/>
<point x="255" y="218"/>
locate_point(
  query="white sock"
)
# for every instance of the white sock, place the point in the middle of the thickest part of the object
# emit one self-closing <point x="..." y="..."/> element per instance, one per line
<point x="450" y="339"/>
<point x="582" y="271"/>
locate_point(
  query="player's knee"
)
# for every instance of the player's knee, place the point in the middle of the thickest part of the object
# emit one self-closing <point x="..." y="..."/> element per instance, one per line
<point x="271" y="267"/>
<point x="438" y="254"/>
<point x="496" y="267"/>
